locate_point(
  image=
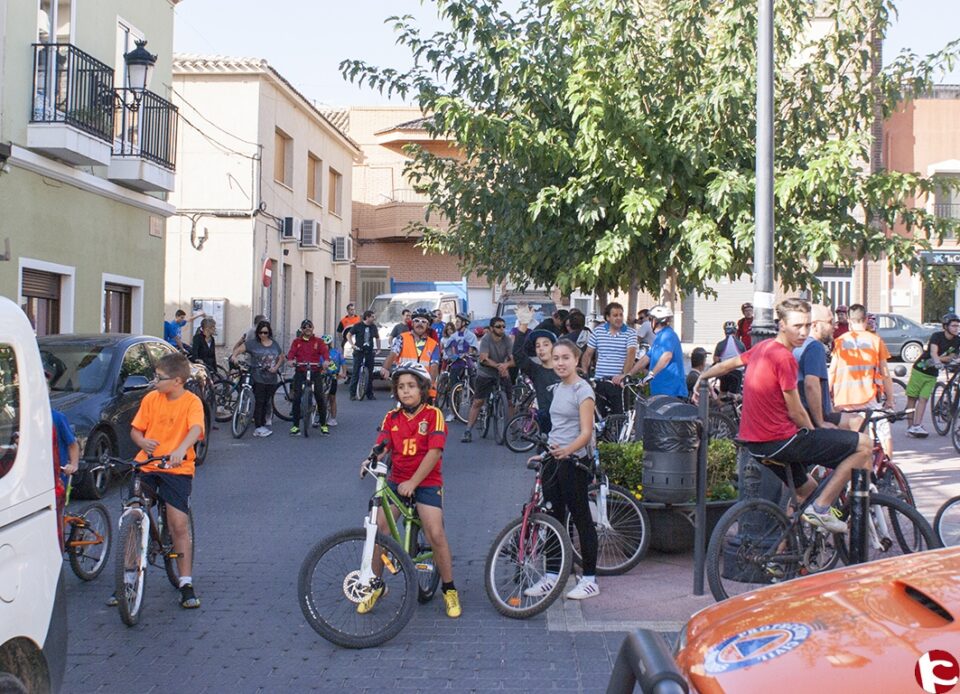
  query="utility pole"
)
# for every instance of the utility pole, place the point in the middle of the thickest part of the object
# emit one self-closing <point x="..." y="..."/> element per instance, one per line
<point x="763" y="324"/>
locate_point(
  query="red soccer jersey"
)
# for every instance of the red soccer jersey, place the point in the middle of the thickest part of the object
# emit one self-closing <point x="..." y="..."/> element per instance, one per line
<point x="409" y="437"/>
<point x="311" y="351"/>
<point x="771" y="370"/>
<point x="744" y="325"/>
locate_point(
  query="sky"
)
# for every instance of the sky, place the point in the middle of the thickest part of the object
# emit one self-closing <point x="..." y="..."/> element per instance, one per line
<point x="305" y="41"/>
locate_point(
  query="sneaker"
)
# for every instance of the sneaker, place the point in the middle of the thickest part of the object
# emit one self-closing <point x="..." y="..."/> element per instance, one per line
<point x="325" y="430"/>
<point x="919" y="431"/>
<point x="188" y="599"/>
<point x="332" y="422"/>
<point x="112" y="600"/>
<point x="370" y="397"/>
<point x="258" y="432"/>
<point x="467" y="437"/>
<point x="451" y="601"/>
<point x="828" y="521"/>
<point x="294" y="430"/>
<point x="267" y="431"/>
<point x="449" y="418"/>
<point x="368" y="602"/>
<point x="541" y="587"/>
<point x="585" y="588"/>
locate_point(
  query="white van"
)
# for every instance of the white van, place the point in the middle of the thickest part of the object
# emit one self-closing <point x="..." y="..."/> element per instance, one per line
<point x="33" y="613"/>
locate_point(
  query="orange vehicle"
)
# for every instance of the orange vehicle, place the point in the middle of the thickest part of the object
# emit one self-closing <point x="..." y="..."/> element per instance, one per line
<point x="866" y="628"/>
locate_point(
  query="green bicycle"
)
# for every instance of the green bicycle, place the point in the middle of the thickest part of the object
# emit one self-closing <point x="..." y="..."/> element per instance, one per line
<point x="337" y="573"/>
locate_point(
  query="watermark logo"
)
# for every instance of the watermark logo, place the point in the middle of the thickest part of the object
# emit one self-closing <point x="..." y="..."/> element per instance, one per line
<point x="937" y="672"/>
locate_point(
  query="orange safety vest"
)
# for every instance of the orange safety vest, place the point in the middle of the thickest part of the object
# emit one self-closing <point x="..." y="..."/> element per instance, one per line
<point x="855" y="376"/>
<point x="409" y="351"/>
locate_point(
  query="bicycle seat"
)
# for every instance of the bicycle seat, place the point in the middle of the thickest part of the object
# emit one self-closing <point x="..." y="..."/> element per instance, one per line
<point x="533" y="464"/>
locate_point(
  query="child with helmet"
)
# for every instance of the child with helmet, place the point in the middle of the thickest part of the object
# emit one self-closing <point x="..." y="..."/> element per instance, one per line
<point x="337" y="371"/>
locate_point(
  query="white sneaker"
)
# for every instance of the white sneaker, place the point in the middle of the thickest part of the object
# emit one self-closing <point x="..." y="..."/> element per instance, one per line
<point x="265" y="432"/>
<point x="258" y="432"/>
<point x="541" y="587"/>
<point x="449" y="417"/>
<point x="919" y="431"/>
<point x="332" y="422"/>
<point x="585" y="588"/>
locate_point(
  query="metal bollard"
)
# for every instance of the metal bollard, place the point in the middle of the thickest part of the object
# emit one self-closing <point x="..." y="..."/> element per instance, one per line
<point x="860" y="500"/>
<point x="700" y="529"/>
<point x="645" y="660"/>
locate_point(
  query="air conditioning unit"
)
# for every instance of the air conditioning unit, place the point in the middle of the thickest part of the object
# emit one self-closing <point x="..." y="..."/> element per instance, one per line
<point x="342" y="249"/>
<point x="310" y="234"/>
<point x="290" y="229"/>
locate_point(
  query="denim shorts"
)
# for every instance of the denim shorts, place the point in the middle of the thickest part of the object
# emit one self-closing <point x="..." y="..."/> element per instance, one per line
<point x="429" y="496"/>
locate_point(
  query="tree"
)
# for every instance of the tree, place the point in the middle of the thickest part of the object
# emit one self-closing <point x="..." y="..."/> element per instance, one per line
<point x="607" y="140"/>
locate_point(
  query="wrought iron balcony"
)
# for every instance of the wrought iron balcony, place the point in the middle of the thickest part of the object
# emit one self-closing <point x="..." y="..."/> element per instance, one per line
<point x="73" y="88"/>
<point x="147" y="130"/>
<point x="947" y="210"/>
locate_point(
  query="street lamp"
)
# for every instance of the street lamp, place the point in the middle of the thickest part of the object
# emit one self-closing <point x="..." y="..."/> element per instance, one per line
<point x="140" y="64"/>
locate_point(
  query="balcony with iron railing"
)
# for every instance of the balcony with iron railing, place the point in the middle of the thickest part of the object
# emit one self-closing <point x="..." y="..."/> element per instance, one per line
<point x="947" y="210"/>
<point x="72" y="105"/>
<point x="145" y="141"/>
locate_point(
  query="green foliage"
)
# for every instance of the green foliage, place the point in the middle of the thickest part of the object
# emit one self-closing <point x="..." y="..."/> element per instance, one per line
<point x="623" y="463"/>
<point x="611" y="140"/>
<point x="721" y="470"/>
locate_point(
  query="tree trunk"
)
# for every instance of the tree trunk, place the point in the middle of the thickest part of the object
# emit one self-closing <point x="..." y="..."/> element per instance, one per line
<point x="632" y="301"/>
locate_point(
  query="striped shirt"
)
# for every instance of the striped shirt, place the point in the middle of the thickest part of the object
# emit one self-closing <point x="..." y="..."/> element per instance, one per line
<point x="611" y="349"/>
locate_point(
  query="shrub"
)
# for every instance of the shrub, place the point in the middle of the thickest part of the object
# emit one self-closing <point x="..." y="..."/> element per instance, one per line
<point x="623" y="463"/>
<point x="721" y="470"/>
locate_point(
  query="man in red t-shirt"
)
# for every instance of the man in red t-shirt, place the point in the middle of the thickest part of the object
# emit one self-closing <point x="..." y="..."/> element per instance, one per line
<point x="775" y="426"/>
<point x="309" y="353"/>
<point x="745" y="324"/>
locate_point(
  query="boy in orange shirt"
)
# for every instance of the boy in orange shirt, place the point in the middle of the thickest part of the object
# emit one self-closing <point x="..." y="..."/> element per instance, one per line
<point x="168" y="423"/>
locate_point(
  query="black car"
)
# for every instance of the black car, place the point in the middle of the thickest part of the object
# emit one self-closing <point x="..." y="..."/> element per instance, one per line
<point x="98" y="381"/>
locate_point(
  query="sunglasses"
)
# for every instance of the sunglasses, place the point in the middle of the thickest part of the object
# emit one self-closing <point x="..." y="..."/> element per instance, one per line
<point x="421" y="321"/>
<point x="157" y="378"/>
<point x="501" y="326"/>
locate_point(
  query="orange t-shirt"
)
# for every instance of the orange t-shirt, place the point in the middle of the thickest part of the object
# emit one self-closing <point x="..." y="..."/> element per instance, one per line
<point x="168" y="422"/>
<point x="855" y="368"/>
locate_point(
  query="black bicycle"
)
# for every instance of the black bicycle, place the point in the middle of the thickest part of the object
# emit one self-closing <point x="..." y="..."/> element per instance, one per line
<point x="945" y="399"/>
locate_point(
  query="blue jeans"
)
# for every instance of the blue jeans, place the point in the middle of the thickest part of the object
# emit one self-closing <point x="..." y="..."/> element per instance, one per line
<point x="361" y="359"/>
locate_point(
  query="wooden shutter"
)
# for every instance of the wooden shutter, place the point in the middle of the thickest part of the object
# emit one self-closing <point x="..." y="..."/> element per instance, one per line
<point x="43" y="285"/>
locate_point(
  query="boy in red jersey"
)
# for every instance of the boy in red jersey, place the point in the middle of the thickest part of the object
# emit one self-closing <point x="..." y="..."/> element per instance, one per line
<point x="415" y="434"/>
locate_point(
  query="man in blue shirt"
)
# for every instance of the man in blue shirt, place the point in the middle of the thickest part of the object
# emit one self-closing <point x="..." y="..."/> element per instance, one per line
<point x="812" y="376"/>
<point x="666" y="375"/>
<point x="172" y="328"/>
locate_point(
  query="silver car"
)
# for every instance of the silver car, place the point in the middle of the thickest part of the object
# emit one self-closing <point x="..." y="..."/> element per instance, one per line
<point x="905" y="338"/>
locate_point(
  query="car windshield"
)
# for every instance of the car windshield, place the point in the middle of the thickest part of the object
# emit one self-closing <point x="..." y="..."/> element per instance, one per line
<point x="541" y="310"/>
<point x="392" y="312"/>
<point x="76" y="368"/>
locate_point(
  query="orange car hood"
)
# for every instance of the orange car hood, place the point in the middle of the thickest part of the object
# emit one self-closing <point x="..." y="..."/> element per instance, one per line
<point x="852" y="630"/>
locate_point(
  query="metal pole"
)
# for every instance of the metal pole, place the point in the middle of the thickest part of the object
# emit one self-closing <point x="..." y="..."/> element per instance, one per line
<point x="700" y="529"/>
<point x="858" y="515"/>
<point x="763" y="325"/>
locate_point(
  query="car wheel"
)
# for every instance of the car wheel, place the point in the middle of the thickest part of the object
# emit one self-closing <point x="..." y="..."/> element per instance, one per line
<point x="911" y="351"/>
<point x="201" y="447"/>
<point x="94" y="485"/>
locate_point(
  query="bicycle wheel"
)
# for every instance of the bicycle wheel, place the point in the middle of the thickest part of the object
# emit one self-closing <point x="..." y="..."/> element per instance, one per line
<point x="362" y="379"/>
<point x="955" y="431"/>
<point x="225" y="396"/>
<point x="329" y="590"/>
<point x="613" y="428"/>
<point x="88" y="545"/>
<point x="442" y="400"/>
<point x="750" y="547"/>
<point x="461" y="398"/>
<point x="520" y="426"/>
<point x="170" y="558"/>
<point x="500" y="411"/>
<point x="623" y="539"/>
<point x="721" y="426"/>
<point x="946" y="525"/>
<point x="131" y="558"/>
<point x="895" y="528"/>
<point x="941" y="410"/>
<point x="485" y="420"/>
<point x="506" y="575"/>
<point x="242" y="414"/>
<point x="306" y="409"/>
<point x="428" y="575"/>
<point x="894" y="483"/>
<point x="283" y="400"/>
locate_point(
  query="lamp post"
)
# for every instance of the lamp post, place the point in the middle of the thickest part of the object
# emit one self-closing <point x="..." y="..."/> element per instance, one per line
<point x="139" y="64"/>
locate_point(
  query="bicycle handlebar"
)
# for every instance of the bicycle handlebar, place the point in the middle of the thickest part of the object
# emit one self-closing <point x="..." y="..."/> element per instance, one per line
<point x="111" y="461"/>
<point x="373" y="460"/>
<point x="874" y="414"/>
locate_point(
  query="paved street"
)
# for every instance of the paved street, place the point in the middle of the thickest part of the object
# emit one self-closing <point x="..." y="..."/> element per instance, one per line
<point x="260" y="504"/>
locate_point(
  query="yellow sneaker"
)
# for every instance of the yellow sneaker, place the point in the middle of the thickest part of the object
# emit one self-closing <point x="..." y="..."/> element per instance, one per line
<point x="368" y="602"/>
<point x="452" y="602"/>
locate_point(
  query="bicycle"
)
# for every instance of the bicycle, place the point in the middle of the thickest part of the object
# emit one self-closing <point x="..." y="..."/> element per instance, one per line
<point x="946" y="525"/>
<point x="462" y="392"/>
<point x="623" y="527"/>
<point x="945" y="399"/>
<point x="89" y="535"/>
<point x="493" y="413"/>
<point x="226" y="390"/>
<point x="523" y="430"/>
<point x="519" y="556"/>
<point x="756" y="543"/>
<point x="243" y="412"/>
<point x="887" y="475"/>
<point x="143" y="538"/>
<point x="307" y="397"/>
<point x="337" y="573"/>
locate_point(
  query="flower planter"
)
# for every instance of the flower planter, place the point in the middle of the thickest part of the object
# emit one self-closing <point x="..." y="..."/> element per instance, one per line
<point x="671" y="526"/>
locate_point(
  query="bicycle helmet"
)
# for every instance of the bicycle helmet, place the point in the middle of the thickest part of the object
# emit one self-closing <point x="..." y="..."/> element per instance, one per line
<point x="479" y="332"/>
<point x="949" y="318"/>
<point x="306" y="323"/>
<point x="464" y="317"/>
<point x="415" y="369"/>
<point x="729" y="327"/>
<point x="422" y="313"/>
<point x="745" y="306"/>
<point x="661" y="313"/>
<point x="326" y="339"/>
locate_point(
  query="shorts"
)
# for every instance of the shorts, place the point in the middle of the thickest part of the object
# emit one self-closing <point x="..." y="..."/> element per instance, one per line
<point x="429" y="496"/>
<point x="920" y="385"/>
<point x="487" y="384"/>
<point x="173" y="490"/>
<point x="826" y="447"/>
<point x="333" y="387"/>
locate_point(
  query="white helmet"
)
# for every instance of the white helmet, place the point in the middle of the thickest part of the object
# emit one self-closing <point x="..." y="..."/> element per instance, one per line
<point x="661" y="313"/>
<point x="415" y="369"/>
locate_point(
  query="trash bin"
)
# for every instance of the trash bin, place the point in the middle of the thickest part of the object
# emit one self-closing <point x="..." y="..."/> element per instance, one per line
<point x="671" y="440"/>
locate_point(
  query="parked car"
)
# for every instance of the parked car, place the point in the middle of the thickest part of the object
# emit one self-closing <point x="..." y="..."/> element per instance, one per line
<point x="905" y="338"/>
<point x="861" y="628"/>
<point x="33" y="611"/>
<point x="98" y="381"/>
<point x="542" y="304"/>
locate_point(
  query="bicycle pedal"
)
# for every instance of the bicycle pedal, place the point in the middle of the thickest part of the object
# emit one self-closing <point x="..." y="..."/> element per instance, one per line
<point x="389" y="564"/>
